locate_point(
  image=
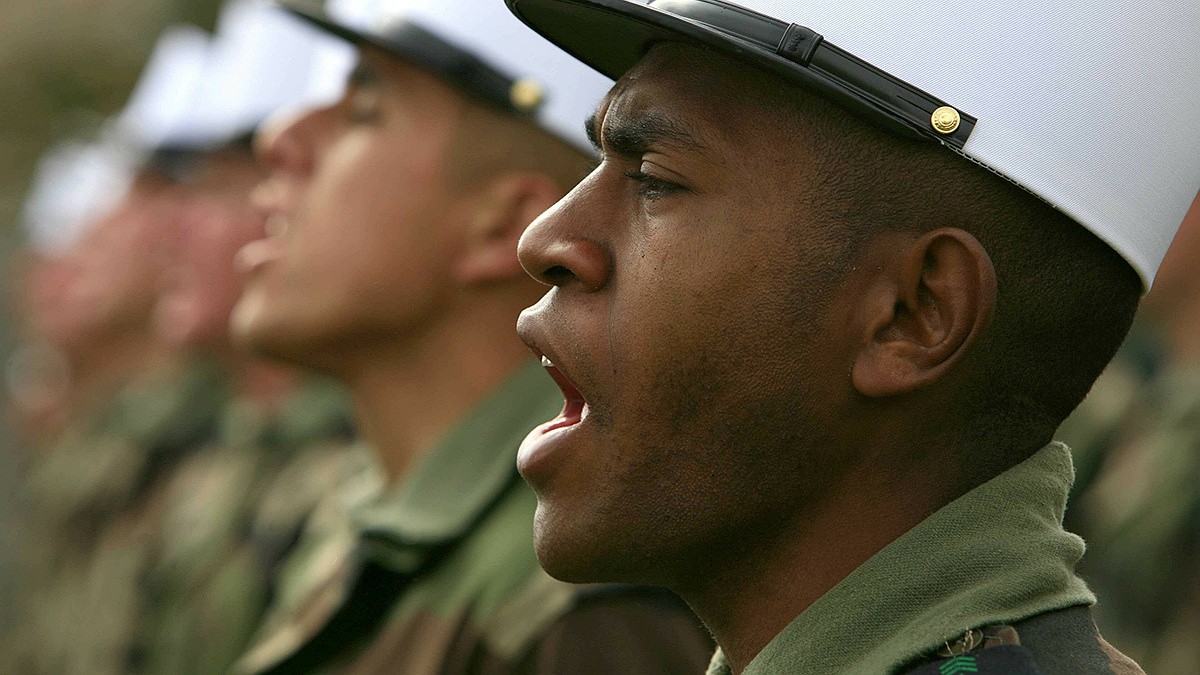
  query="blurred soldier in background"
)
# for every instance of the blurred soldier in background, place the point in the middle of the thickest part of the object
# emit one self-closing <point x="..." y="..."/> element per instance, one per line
<point x="212" y="467"/>
<point x="391" y="264"/>
<point x="128" y="401"/>
<point x="85" y="304"/>
<point x="85" y="298"/>
<point x="1136" y="438"/>
<point x="227" y="515"/>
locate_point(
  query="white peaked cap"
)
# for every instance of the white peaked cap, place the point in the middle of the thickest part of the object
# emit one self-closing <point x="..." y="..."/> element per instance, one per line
<point x="75" y="184"/>
<point x="166" y="87"/>
<point x="262" y="60"/>
<point x="356" y="15"/>
<point x="550" y="87"/>
<point x="1092" y="106"/>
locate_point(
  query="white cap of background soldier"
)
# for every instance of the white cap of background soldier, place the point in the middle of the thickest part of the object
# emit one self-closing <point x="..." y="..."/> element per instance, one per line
<point x="521" y="102"/>
<point x="262" y="61"/>
<point x="390" y="263"/>
<point x="475" y="47"/>
<point x="842" y="272"/>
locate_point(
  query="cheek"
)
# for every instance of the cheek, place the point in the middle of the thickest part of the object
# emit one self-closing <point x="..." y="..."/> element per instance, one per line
<point x="368" y="245"/>
<point x="371" y="192"/>
<point x="691" y="313"/>
<point x="708" y="330"/>
<point x="204" y="256"/>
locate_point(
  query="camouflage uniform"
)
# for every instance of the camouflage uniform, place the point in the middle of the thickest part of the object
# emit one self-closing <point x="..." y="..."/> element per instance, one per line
<point x="1141" y="513"/>
<point x="225" y="519"/>
<point x="439" y="575"/>
<point x="82" y="545"/>
<point x="173" y="574"/>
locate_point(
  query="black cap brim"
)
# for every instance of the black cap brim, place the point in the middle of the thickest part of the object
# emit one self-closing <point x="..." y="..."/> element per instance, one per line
<point x="414" y="44"/>
<point x="613" y="35"/>
<point x="313" y="11"/>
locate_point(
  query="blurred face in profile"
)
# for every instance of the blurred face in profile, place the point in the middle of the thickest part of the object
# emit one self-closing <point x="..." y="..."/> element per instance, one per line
<point x="358" y="207"/>
<point x="107" y="283"/>
<point x="201" y="284"/>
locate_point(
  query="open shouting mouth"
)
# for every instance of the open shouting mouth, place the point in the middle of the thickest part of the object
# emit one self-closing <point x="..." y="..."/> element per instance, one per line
<point x="575" y="408"/>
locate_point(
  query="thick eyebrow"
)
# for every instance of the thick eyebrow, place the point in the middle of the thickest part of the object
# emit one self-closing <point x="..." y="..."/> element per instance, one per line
<point x="589" y="128"/>
<point x="634" y="135"/>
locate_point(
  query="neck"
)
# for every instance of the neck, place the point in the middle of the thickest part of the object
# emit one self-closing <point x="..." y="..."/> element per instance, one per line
<point x="408" y="394"/>
<point x="746" y="600"/>
<point x="265" y="383"/>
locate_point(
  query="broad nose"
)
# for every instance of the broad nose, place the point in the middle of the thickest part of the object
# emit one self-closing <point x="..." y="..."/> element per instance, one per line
<point x="560" y="249"/>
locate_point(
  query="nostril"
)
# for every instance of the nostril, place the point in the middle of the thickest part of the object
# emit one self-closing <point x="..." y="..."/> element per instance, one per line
<point x="563" y="261"/>
<point x="558" y="275"/>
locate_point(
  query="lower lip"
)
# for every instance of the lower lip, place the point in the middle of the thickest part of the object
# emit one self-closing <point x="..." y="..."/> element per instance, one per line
<point x="539" y="449"/>
<point x="258" y="254"/>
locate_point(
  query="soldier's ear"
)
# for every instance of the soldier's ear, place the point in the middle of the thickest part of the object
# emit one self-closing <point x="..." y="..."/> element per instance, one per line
<point x="925" y="308"/>
<point x="506" y="205"/>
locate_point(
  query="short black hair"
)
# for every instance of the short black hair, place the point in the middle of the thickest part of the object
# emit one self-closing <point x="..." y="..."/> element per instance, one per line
<point x="1065" y="299"/>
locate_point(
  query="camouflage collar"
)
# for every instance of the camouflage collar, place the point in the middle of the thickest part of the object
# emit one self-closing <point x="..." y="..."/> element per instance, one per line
<point x="460" y="478"/>
<point x="174" y="409"/>
<point x="996" y="555"/>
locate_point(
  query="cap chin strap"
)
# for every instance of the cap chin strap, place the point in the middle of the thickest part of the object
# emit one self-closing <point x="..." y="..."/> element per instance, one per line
<point x="856" y="84"/>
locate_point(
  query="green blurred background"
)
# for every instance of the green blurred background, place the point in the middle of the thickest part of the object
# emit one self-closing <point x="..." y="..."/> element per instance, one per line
<point x="63" y="64"/>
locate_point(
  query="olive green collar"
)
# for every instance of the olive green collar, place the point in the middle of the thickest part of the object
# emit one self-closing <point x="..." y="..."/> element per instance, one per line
<point x="172" y="409"/>
<point x="996" y="555"/>
<point x="455" y="483"/>
<point x="317" y="410"/>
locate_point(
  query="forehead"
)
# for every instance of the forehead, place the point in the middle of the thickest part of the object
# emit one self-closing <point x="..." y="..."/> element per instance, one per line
<point x="721" y="101"/>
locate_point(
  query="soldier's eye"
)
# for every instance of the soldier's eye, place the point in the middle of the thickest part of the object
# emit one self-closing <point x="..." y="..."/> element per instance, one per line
<point x="651" y="187"/>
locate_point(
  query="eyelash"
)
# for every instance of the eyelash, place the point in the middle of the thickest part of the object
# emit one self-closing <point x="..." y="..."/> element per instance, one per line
<point x="651" y="187"/>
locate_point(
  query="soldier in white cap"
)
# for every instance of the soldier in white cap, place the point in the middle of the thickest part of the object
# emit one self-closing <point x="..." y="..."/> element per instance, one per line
<point x="842" y="270"/>
<point x="393" y="220"/>
<point x="160" y="519"/>
<point x="227" y="511"/>
<point x="82" y="303"/>
<point x="101" y="223"/>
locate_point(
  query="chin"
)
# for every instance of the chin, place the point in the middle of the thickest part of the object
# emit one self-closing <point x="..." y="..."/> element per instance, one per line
<point x="582" y="553"/>
<point x="290" y="342"/>
<point x="253" y="329"/>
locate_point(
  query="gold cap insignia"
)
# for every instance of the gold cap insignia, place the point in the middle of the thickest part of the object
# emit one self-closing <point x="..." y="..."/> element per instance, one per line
<point x="945" y="120"/>
<point x="526" y="94"/>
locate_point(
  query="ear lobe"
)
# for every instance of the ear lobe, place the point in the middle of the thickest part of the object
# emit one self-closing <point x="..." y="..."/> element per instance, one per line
<point x="925" y="313"/>
<point x="508" y="204"/>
